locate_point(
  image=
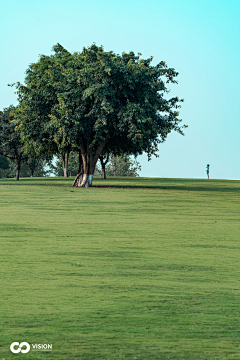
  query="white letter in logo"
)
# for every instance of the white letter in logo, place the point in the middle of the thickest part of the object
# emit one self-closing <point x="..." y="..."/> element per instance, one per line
<point x="20" y="347"/>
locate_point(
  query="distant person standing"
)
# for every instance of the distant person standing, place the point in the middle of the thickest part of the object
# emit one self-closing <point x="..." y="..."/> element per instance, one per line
<point x="208" y="171"/>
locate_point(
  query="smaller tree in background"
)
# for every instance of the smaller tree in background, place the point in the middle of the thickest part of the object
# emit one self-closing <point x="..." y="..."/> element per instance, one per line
<point x="34" y="167"/>
<point x="119" y="166"/>
<point x="33" y="164"/>
<point x="73" y="165"/>
<point x="104" y="160"/>
<point x="16" y="156"/>
<point x="123" y="166"/>
<point x="10" y="138"/>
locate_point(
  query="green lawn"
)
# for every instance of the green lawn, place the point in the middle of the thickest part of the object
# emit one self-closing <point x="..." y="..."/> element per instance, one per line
<point x="141" y="269"/>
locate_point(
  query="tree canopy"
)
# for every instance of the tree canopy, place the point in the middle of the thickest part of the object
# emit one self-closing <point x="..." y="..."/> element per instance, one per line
<point x="96" y="101"/>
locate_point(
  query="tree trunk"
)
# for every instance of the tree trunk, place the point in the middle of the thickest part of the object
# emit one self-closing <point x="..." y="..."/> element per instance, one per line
<point x="103" y="172"/>
<point x="103" y="167"/>
<point x="85" y="174"/>
<point x="65" y="164"/>
<point x="17" y="175"/>
<point x="18" y="170"/>
<point x="79" y="176"/>
<point x="87" y="163"/>
<point x="32" y="164"/>
<point x="103" y="164"/>
<point x="115" y="168"/>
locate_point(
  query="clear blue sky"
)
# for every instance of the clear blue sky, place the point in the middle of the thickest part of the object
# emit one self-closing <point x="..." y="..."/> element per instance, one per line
<point x="200" y="39"/>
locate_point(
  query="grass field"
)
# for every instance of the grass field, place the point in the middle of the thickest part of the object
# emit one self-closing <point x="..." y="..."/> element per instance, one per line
<point x="141" y="269"/>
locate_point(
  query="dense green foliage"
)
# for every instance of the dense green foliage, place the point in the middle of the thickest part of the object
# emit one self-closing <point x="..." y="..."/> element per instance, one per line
<point x="10" y="138"/>
<point x="147" y="269"/>
<point x="96" y="101"/>
<point x="13" y="158"/>
<point x="4" y="163"/>
<point x="6" y="167"/>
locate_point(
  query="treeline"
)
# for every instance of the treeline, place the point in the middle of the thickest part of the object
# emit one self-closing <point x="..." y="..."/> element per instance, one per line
<point x="19" y="161"/>
<point x="115" y="166"/>
<point x="29" y="168"/>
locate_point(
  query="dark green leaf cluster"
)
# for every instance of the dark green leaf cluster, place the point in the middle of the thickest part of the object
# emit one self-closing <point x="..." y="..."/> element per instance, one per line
<point x="7" y="167"/>
<point x="10" y="138"/>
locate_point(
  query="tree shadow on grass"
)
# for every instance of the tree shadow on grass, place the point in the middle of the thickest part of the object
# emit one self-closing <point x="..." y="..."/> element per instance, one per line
<point x="177" y="187"/>
<point x="198" y="185"/>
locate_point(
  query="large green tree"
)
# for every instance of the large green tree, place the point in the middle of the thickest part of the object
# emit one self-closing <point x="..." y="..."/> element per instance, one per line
<point x="97" y="101"/>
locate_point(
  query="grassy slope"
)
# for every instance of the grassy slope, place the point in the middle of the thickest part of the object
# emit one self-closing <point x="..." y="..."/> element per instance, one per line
<point x="121" y="273"/>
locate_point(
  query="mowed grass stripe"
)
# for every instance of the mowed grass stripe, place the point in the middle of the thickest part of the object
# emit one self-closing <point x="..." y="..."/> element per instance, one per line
<point x="145" y="269"/>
